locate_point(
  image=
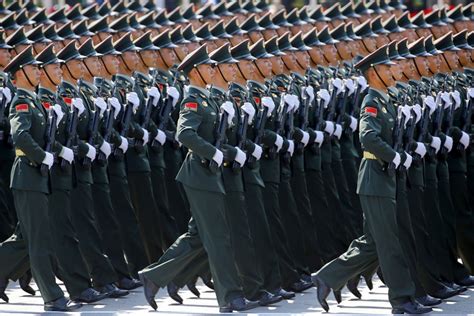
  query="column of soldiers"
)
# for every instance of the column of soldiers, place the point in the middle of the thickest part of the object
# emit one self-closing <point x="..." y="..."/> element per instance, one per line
<point x="265" y="153"/>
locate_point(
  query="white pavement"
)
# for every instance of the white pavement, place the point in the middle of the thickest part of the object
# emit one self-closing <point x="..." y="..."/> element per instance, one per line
<point x="372" y="302"/>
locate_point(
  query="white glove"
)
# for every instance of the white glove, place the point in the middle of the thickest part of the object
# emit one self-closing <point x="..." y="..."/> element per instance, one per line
<point x="268" y="102"/>
<point x="115" y="104"/>
<point x="279" y="142"/>
<point x="309" y="91"/>
<point x="101" y="105"/>
<point x="319" y="138"/>
<point x="67" y="154"/>
<point x="446" y="98"/>
<point x="408" y="161"/>
<point x="240" y="157"/>
<point x="353" y="124"/>
<point x="325" y="96"/>
<point x="420" y="149"/>
<point x="146" y="136"/>
<point x="296" y="103"/>
<point x="406" y="111"/>
<point x="160" y="137"/>
<point x="59" y="113"/>
<point x="257" y="152"/>
<point x="132" y="97"/>
<point x="470" y="92"/>
<point x="436" y="143"/>
<point x="155" y="94"/>
<point x="106" y="149"/>
<point x="417" y="109"/>
<point x="464" y="140"/>
<point x="218" y="157"/>
<point x="305" y="139"/>
<point x="448" y="143"/>
<point x="91" y="153"/>
<point x="362" y="82"/>
<point x="329" y="128"/>
<point x="396" y="160"/>
<point x="79" y="105"/>
<point x="174" y="94"/>
<point x="338" y="131"/>
<point x="7" y="94"/>
<point x="290" y="99"/>
<point x="349" y="86"/>
<point x="48" y="159"/>
<point x="249" y="110"/>
<point x="228" y="107"/>
<point x="457" y="99"/>
<point x="430" y="103"/>
<point x="291" y="147"/>
<point x="124" y="144"/>
<point x="338" y="84"/>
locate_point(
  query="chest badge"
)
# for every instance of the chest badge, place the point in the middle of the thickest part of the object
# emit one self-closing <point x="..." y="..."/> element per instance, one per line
<point x="204" y="103"/>
<point x="384" y="110"/>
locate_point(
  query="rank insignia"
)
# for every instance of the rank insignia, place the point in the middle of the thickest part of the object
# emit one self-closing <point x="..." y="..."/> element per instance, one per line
<point x="372" y="111"/>
<point x="191" y="106"/>
<point x="23" y="107"/>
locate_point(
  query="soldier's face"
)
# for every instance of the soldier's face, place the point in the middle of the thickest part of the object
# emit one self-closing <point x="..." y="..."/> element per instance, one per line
<point x="410" y="34"/>
<point x="94" y="66"/>
<point x="370" y="44"/>
<point x="192" y="46"/>
<point x="221" y="41"/>
<point x="54" y="72"/>
<point x="149" y="57"/>
<point x="265" y="67"/>
<point x="76" y="67"/>
<point x="58" y="45"/>
<point x="396" y="70"/>
<point x="111" y="63"/>
<point x="169" y="56"/>
<point x="248" y="68"/>
<point x="423" y="32"/>
<point x="386" y="74"/>
<point x="395" y="36"/>
<point x="422" y="66"/>
<point x="355" y="47"/>
<point x="303" y="59"/>
<point x="289" y="60"/>
<point x="434" y="64"/>
<point x="33" y="73"/>
<point x="267" y="34"/>
<point x="453" y="59"/>
<point x="237" y="39"/>
<point x="207" y="72"/>
<point x="464" y="57"/>
<point x="211" y="45"/>
<point x="131" y="58"/>
<point x="317" y="56"/>
<point x="195" y="23"/>
<point x="277" y="65"/>
<point x="181" y="52"/>
<point x="229" y="72"/>
<point x="437" y="31"/>
<point x="255" y="36"/>
<point x="5" y="57"/>
<point x="38" y="47"/>
<point x="330" y="53"/>
<point x="407" y="68"/>
<point x="382" y="40"/>
<point x="282" y="30"/>
<point x="344" y="50"/>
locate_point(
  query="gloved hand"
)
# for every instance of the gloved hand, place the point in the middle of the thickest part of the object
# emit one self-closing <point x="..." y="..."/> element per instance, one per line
<point x="291" y="147"/>
<point x="174" y="94"/>
<point x="228" y="107"/>
<point x="101" y="105"/>
<point x="106" y="149"/>
<point x="329" y="128"/>
<point x="353" y="124"/>
<point x="249" y="110"/>
<point x="430" y="103"/>
<point x="338" y="84"/>
<point x="417" y="110"/>
<point x="268" y="102"/>
<point x="408" y="161"/>
<point x="240" y="157"/>
<point x="7" y="94"/>
<point x="278" y="142"/>
<point x="470" y="92"/>
<point x="338" y="131"/>
<point x="124" y="144"/>
<point x="257" y="152"/>
<point x="396" y="160"/>
<point x="115" y="104"/>
<point x="218" y="157"/>
<point x="309" y="91"/>
<point x="67" y="154"/>
<point x="448" y="143"/>
<point x="48" y="159"/>
<point x="91" y="153"/>
<point x="132" y="98"/>
<point x="59" y="113"/>
<point x="420" y="149"/>
<point x="350" y="86"/>
<point x="465" y="139"/>
<point x="457" y="99"/>
<point x="305" y="138"/>
<point x="436" y="143"/>
<point x="146" y="136"/>
<point x="406" y="112"/>
<point x="325" y="96"/>
<point x="161" y="137"/>
<point x="446" y="99"/>
<point x="155" y="94"/>
<point x="362" y="82"/>
<point x="290" y="99"/>
<point x="79" y="105"/>
<point x="319" y="138"/>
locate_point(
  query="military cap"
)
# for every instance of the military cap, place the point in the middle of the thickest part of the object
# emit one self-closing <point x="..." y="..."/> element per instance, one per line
<point x="318" y="14"/>
<point x="222" y="55"/>
<point x="348" y="11"/>
<point x="468" y="12"/>
<point x="198" y="57"/>
<point x="250" y="7"/>
<point x="162" y="19"/>
<point x="207" y="13"/>
<point x="417" y="48"/>
<point x="262" y="5"/>
<point x="87" y="49"/>
<point x="397" y="4"/>
<point x="2" y="42"/>
<point x="311" y="38"/>
<point x="80" y="29"/>
<point x="104" y="9"/>
<point x="125" y="44"/>
<point x="378" y="57"/>
<point x="3" y="10"/>
<point x="402" y="47"/>
<point x="385" y="6"/>
<point x="221" y="9"/>
<point x="334" y="12"/>
<point x="58" y="16"/>
<point x="132" y="21"/>
<point x="233" y="28"/>
<point x="120" y="8"/>
<point x="50" y="32"/>
<point x="444" y="17"/>
<point x="189" y="35"/>
<point x="70" y="52"/>
<point x="297" y="42"/>
<point x="266" y="22"/>
<point x="392" y="26"/>
<point x="293" y="18"/>
<point x="22" y="59"/>
<point x="121" y="24"/>
<point x="236" y="8"/>
<point x="364" y="30"/>
<point x="74" y="14"/>
<point x="18" y="38"/>
<point x="393" y="52"/>
<point x="445" y="43"/>
<point x="419" y="20"/>
<point x="148" y="20"/>
<point x="14" y="6"/>
<point x="30" y="6"/>
<point x="204" y="33"/>
<point x="36" y="35"/>
<point x="284" y="43"/>
<point x="241" y="51"/>
<point x="433" y="18"/>
<point x="189" y="13"/>
<point x="271" y="46"/>
<point x="48" y="56"/>
<point x="405" y="22"/>
<point x="144" y="42"/>
<point x="350" y="32"/>
<point x="457" y="14"/>
<point x="23" y="19"/>
<point x="430" y="47"/>
<point x="40" y="17"/>
<point x="218" y="30"/>
<point x="325" y="37"/>
<point x="251" y="25"/>
<point x="470" y="39"/>
<point x="362" y="9"/>
<point x="176" y="36"/>
<point x="374" y="6"/>
<point x="377" y="26"/>
<point x="280" y="20"/>
<point x="106" y="47"/>
<point x="135" y="6"/>
<point x="303" y="14"/>
<point x="339" y="33"/>
<point x="66" y="32"/>
<point x="90" y="12"/>
<point x="460" y="40"/>
<point x="150" y="5"/>
<point x="175" y="16"/>
<point x="258" y="50"/>
<point x="101" y="25"/>
<point x="163" y="40"/>
<point x="8" y="22"/>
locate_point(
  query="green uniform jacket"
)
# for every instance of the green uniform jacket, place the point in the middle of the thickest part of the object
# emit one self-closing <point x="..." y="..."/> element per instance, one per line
<point x="6" y="146"/>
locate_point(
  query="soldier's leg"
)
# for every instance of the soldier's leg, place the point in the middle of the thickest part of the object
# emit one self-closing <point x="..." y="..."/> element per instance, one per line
<point x="14" y="260"/>
<point x="351" y="170"/>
